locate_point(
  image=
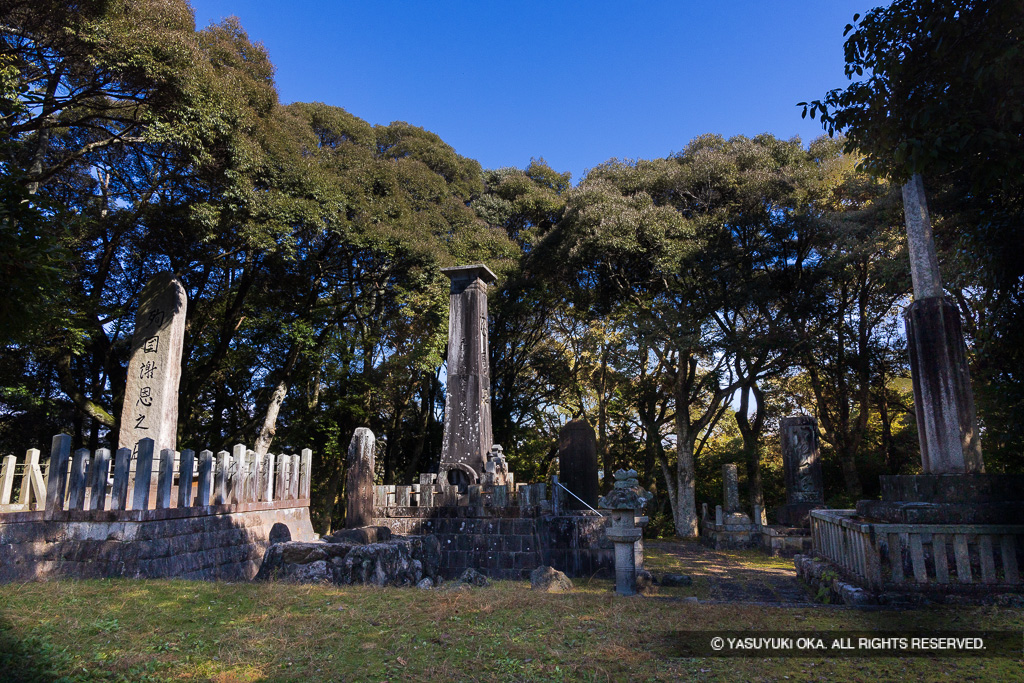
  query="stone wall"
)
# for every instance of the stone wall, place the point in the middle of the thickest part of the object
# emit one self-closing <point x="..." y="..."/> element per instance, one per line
<point x="224" y="542"/>
<point x="506" y="542"/>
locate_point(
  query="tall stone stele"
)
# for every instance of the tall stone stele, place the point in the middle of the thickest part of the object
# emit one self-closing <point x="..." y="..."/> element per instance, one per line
<point x="150" y="407"/>
<point x="467" y="411"/>
<point x="359" y="484"/>
<point x="577" y="464"/>
<point x="805" y="489"/>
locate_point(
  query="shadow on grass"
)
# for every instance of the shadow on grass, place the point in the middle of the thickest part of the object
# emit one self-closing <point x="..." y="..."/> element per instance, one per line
<point x="29" y="659"/>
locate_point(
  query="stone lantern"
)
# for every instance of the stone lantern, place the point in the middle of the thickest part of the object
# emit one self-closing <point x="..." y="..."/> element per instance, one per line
<point x="625" y="502"/>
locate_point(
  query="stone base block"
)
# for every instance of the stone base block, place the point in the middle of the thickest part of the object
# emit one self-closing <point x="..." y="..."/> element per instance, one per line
<point x="783" y="541"/>
<point x="902" y="512"/>
<point x="796" y="514"/>
<point x="953" y="488"/>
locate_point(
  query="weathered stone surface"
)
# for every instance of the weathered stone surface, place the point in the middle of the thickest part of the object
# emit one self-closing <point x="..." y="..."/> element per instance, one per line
<point x="730" y="488"/>
<point x="577" y="463"/>
<point x="472" y="577"/>
<point x="362" y="535"/>
<point x="186" y="543"/>
<point x="425" y="584"/>
<point x="644" y="581"/>
<point x="154" y="369"/>
<point x="401" y="561"/>
<point x="675" y="580"/>
<point x="467" y="415"/>
<point x="359" y="485"/>
<point x="57" y="477"/>
<point x="550" y="580"/>
<point x="943" y="398"/>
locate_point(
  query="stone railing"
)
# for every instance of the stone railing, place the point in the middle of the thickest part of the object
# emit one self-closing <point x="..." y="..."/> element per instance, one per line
<point x="916" y="557"/>
<point x="428" y="494"/>
<point x="87" y="481"/>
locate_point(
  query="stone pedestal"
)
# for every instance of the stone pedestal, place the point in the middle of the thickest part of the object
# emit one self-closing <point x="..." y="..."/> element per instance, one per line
<point x="467" y="414"/>
<point x="947" y="499"/>
<point x="577" y="463"/>
<point x="943" y="400"/>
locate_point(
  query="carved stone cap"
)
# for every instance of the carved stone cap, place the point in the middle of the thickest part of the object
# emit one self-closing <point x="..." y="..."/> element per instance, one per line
<point x="471" y="272"/>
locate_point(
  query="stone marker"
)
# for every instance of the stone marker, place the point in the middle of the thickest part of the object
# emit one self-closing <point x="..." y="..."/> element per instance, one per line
<point x="143" y="475"/>
<point x="188" y="459"/>
<point x="77" y="482"/>
<point x="122" y="477"/>
<point x="577" y="463"/>
<point x="730" y="488"/>
<point x="151" y="393"/>
<point x="57" y="476"/>
<point x="205" y="478"/>
<point x="805" y="488"/>
<point x="99" y="479"/>
<point x="359" y="484"/>
<point x="467" y="413"/>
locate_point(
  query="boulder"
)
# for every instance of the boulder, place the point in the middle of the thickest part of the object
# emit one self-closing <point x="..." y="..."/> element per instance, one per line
<point x="550" y="580"/>
<point x="644" y="581"/>
<point x="472" y="577"/>
<point x="399" y="561"/>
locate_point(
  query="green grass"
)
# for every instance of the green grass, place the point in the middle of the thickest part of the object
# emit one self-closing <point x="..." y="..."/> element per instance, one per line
<point x="123" y="630"/>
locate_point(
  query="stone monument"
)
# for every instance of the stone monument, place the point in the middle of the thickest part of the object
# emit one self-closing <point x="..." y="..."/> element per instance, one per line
<point x="467" y="412"/>
<point x="805" y="489"/>
<point x="953" y="488"/>
<point x="577" y="464"/>
<point x="943" y="399"/>
<point x="150" y="409"/>
<point x="359" y="484"/>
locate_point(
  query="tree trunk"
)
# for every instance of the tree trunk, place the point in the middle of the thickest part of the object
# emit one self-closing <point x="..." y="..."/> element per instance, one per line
<point x="684" y="511"/>
<point x="269" y="428"/>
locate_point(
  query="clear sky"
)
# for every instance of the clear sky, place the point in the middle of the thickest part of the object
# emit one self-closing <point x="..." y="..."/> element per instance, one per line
<point x="576" y="83"/>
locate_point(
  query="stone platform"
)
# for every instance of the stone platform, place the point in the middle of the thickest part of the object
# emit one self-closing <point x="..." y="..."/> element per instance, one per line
<point x="506" y="542"/>
<point x="224" y="542"/>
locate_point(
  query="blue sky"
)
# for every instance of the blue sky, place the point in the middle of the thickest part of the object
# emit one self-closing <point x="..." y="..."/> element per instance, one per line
<point x="576" y="83"/>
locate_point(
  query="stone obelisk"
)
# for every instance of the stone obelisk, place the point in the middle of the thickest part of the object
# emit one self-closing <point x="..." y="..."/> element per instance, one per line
<point x="467" y="410"/>
<point x="943" y="399"/>
<point x="151" y="394"/>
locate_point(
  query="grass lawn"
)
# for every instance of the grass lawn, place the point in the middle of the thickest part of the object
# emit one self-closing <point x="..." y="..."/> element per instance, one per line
<point x="123" y="630"/>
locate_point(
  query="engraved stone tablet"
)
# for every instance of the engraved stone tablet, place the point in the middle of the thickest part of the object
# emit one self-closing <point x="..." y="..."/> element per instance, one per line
<point x="151" y="394"/>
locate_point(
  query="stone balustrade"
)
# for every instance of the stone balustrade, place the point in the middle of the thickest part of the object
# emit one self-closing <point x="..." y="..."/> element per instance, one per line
<point x="919" y="557"/>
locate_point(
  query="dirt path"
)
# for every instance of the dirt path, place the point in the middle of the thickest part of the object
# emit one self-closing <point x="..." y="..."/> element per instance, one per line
<point x="729" y="575"/>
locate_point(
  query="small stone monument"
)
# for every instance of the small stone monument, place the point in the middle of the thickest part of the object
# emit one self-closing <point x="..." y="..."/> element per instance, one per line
<point x="577" y="464"/>
<point x="625" y="502"/>
<point x="467" y="413"/>
<point x="359" y="485"/>
<point x="150" y="409"/>
<point x="805" y="489"/>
